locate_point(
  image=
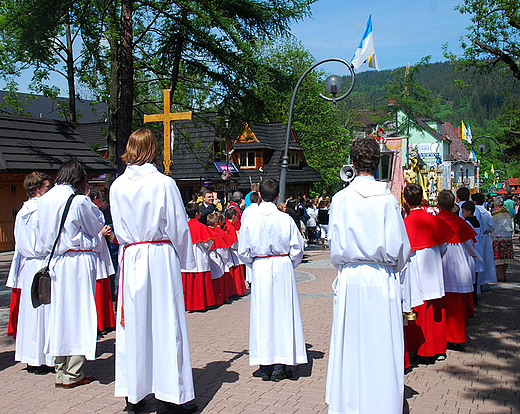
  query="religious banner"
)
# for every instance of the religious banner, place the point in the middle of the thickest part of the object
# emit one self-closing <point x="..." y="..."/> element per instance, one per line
<point x="395" y="145"/>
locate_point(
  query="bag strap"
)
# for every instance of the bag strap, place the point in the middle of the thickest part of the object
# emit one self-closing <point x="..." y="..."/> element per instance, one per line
<point x="63" y="217"/>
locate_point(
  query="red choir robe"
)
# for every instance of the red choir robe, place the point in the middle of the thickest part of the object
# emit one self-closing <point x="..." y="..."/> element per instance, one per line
<point x="426" y="336"/>
<point x="236" y="269"/>
<point x="14" y="309"/>
<point x="455" y="301"/>
<point x="197" y="284"/>
<point x="222" y="285"/>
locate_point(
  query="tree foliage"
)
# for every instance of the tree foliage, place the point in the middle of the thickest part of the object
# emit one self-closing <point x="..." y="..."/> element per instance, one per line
<point x="493" y="38"/>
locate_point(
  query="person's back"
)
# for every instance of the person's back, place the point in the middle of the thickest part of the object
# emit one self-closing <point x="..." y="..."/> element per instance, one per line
<point x="152" y="348"/>
<point x="272" y="246"/>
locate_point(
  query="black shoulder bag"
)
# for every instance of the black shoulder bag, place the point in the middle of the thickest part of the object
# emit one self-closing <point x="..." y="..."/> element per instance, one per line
<point x="41" y="285"/>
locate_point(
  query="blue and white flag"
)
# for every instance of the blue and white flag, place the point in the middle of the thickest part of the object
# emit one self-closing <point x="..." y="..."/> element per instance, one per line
<point x="366" y="51"/>
<point x="469" y="136"/>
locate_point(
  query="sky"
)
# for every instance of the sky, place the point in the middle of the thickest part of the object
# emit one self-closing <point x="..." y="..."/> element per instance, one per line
<point x="404" y="31"/>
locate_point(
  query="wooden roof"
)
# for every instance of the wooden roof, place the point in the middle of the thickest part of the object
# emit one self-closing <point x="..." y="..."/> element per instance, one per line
<point x="29" y="144"/>
<point x="194" y="143"/>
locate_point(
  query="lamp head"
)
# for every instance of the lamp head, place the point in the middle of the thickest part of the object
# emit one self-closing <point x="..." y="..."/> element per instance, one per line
<point x="333" y="84"/>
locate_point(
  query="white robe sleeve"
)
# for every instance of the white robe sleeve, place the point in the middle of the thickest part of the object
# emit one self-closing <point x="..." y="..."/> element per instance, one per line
<point x="469" y="245"/>
<point x="244" y="249"/>
<point x="297" y="245"/>
<point x="177" y="226"/>
<point x="13" y="280"/>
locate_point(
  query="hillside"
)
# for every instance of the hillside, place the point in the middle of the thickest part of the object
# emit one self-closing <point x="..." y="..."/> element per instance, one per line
<point x="480" y="100"/>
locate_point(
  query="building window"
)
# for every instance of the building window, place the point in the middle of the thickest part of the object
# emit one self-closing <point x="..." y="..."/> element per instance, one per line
<point x="294" y="159"/>
<point x="247" y="159"/>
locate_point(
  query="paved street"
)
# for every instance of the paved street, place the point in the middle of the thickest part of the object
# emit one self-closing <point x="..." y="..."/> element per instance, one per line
<point x="484" y="379"/>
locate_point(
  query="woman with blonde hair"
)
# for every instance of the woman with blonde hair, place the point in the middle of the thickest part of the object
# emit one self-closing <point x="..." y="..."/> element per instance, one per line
<point x="152" y="349"/>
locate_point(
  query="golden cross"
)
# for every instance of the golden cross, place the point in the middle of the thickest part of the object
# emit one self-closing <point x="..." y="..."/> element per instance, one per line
<point x="166" y="118"/>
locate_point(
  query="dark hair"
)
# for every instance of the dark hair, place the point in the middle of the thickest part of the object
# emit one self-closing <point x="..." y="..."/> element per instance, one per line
<point x="478" y="198"/>
<point x="413" y="194"/>
<point x="445" y="200"/>
<point x="34" y="181"/>
<point x="212" y="219"/>
<point x="365" y="155"/>
<point x="468" y="205"/>
<point x="71" y="172"/>
<point x="291" y="205"/>
<point x="254" y="197"/>
<point x="269" y="189"/>
<point x="463" y="193"/>
<point x="94" y="192"/>
<point x="192" y="209"/>
<point x="230" y="213"/>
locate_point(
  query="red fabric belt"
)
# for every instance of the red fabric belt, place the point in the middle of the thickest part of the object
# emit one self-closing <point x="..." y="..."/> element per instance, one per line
<point x="79" y="251"/>
<point x="123" y="272"/>
<point x="271" y="255"/>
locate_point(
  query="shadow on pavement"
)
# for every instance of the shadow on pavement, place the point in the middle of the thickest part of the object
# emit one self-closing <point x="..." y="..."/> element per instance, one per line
<point x="209" y="379"/>
<point x="305" y="370"/>
<point x="103" y="367"/>
<point x="7" y="360"/>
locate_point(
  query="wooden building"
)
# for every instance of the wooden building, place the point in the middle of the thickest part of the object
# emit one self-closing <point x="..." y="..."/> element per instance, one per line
<point x="31" y="144"/>
<point x="203" y="152"/>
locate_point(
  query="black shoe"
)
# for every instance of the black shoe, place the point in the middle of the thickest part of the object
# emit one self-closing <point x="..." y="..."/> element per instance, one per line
<point x="163" y="407"/>
<point x="277" y="376"/>
<point x="31" y="368"/>
<point x="134" y="408"/>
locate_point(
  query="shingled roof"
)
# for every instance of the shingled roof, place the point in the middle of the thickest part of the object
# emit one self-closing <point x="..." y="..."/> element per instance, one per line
<point x="194" y="143"/>
<point x="458" y="151"/>
<point x="28" y="144"/>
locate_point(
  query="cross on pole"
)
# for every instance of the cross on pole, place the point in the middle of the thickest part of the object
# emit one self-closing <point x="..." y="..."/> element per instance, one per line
<point x="166" y="118"/>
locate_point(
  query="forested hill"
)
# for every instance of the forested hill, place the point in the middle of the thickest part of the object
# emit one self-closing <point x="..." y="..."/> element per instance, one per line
<point x="480" y="100"/>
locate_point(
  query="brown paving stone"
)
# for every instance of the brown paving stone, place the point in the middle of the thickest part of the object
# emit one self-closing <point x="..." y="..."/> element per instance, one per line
<point x="484" y="379"/>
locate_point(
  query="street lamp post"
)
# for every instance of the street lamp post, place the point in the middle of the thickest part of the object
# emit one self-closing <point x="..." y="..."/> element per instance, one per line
<point x="482" y="150"/>
<point x="333" y="85"/>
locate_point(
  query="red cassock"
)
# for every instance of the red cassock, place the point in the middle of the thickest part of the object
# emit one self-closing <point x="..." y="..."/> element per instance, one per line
<point x="457" y="303"/>
<point x="198" y="287"/>
<point x="426" y="336"/>
<point x="104" y="305"/>
<point x="224" y="286"/>
<point x="14" y="309"/>
<point x="237" y="272"/>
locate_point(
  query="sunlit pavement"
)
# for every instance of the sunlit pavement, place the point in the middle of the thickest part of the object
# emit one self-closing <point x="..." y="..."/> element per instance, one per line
<point x="484" y="379"/>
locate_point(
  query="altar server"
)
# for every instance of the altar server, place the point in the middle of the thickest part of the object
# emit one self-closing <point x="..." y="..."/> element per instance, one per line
<point x="458" y="279"/>
<point x="273" y="246"/>
<point x="72" y="332"/>
<point x="488" y="275"/>
<point x="218" y="257"/>
<point x="197" y="284"/>
<point x="369" y="247"/>
<point x="428" y="234"/>
<point x="236" y="269"/>
<point x="152" y="347"/>
<point x="32" y="323"/>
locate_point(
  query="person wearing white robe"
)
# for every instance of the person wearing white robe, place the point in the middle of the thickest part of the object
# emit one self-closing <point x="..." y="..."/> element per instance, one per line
<point x="32" y="323"/>
<point x="369" y="247"/>
<point x="152" y="346"/>
<point x="272" y="245"/>
<point x="72" y="332"/>
<point x="488" y="275"/>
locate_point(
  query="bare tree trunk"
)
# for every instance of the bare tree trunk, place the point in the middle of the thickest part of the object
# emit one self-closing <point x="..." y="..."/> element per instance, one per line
<point x="70" y="77"/>
<point x="126" y="77"/>
<point x="114" y="97"/>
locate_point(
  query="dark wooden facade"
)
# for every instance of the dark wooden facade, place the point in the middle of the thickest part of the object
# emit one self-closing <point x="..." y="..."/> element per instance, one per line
<point x="30" y="144"/>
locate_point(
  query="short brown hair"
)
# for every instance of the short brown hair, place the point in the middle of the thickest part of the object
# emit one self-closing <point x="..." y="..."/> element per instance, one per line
<point x="269" y="189"/>
<point x="413" y="194"/>
<point x="141" y="148"/>
<point x="445" y="200"/>
<point x="34" y="181"/>
<point x="365" y="155"/>
<point x="212" y="219"/>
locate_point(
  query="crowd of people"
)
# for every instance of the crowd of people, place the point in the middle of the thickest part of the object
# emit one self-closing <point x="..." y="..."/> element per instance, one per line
<point x="420" y="268"/>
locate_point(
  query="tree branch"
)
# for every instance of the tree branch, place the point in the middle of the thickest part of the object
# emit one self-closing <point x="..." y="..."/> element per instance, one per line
<point x="504" y="57"/>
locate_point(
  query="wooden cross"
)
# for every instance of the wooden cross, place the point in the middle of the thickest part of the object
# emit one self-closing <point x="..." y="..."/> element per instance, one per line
<point x="166" y="118"/>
